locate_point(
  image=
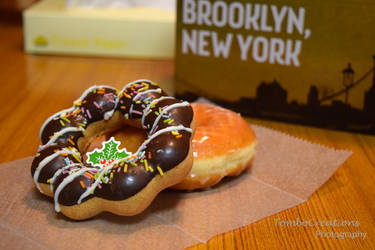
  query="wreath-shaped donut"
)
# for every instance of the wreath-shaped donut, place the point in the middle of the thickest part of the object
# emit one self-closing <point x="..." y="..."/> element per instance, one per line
<point x="124" y="185"/>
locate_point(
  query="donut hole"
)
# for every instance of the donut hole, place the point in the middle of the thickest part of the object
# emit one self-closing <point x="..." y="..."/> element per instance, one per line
<point x="130" y="137"/>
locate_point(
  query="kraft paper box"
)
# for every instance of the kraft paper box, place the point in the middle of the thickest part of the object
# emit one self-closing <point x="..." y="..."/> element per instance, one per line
<point x="304" y="62"/>
<point x="50" y="27"/>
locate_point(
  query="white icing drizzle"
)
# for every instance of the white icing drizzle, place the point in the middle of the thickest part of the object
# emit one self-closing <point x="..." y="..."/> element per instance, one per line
<point x="56" y="115"/>
<point x="95" y="184"/>
<point x="45" y="161"/>
<point x="58" y="172"/>
<point x="63" y="131"/>
<point x="176" y="105"/>
<point x="109" y="114"/>
<point x="87" y="91"/>
<point x="148" y="110"/>
<point x="65" y="182"/>
<point x="161" y="131"/>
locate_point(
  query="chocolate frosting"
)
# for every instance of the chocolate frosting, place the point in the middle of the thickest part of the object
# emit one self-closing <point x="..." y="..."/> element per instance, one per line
<point x="59" y="163"/>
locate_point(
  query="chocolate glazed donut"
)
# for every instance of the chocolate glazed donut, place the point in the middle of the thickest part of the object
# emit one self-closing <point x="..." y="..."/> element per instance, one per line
<point x="126" y="186"/>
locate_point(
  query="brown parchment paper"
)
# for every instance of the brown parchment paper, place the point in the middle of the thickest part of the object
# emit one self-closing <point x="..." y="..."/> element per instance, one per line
<point x="285" y="172"/>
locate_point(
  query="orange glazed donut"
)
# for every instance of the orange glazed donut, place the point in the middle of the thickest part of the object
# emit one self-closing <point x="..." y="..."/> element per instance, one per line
<point x="223" y="145"/>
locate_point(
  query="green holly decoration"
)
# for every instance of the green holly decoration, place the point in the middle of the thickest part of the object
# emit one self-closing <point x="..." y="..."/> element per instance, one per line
<point x="109" y="153"/>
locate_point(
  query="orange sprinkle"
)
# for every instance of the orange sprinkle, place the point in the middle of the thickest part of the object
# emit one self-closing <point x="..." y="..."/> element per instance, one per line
<point x="89" y="175"/>
<point x="149" y="155"/>
<point x="76" y="112"/>
<point x="122" y="107"/>
<point x="64" y="154"/>
<point x="71" y="142"/>
<point x="179" y="136"/>
<point x="55" y="150"/>
<point x="82" y="184"/>
<point x="128" y="96"/>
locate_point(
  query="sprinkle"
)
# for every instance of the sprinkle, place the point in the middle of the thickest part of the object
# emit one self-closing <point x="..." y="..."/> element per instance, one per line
<point x="167" y="120"/>
<point x="76" y="157"/>
<point x="82" y="184"/>
<point x="109" y="94"/>
<point x="154" y="84"/>
<point x="160" y="171"/>
<point x="64" y="154"/>
<point x="146" y="164"/>
<point x="151" y="169"/>
<point x="79" y="103"/>
<point x="156" y="113"/>
<point x="111" y="100"/>
<point x="81" y="124"/>
<point x="94" y="91"/>
<point x="126" y="95"/>
<point x="143" y="106"/>
<point x="38" y="154"/>
<point x="133" y="164"/>
<point x="149" y="155"/>
<point x="96" y="105"/>
<point x="126" y="168"/>
<point x="160" y="110"/>
<point x="88" y="113"/>
<point x="123" y="107"/>
<point x="111" y="176"/>
<point x="62" y="123"/>
<point x="175" y="132"/>
<point x="89" y="175"/>
<point x="49" y="180"/>
<point x="170" y="121"/>
<point x="142" y="89"/>
<point x="65" y="119"/>
<point x="71" y="142"/>
<point x="179" y="136"/>
<point x="136" y="112"/>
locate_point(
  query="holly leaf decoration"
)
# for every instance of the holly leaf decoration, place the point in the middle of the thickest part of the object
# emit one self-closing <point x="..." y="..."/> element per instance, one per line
<point x="109" y="153"/>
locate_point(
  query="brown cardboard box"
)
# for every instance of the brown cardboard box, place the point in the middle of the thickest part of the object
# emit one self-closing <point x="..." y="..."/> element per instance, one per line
<point x="304" y="62"/>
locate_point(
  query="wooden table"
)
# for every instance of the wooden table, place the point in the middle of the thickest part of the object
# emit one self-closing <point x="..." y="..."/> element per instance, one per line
<point x="34" y="87"/>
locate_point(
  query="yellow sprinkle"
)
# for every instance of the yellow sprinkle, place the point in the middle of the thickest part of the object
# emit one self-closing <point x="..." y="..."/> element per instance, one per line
<point x="146" y="164"/>
<point x="160" y="171"/>
<point x="76" y="157"/>
<point x="38" y="154"/>
<point x="170" y="121"/>
<point x="121" y="164"/>
<point x="62" y="123"/>
<point x="126" y="168"/>
<point x="142" y="89"/>
<point x="153" y="83"/>
<point x="138" y="102"/>
<point x="49" y="180"/>
<point x="151" y="169"/>
<point x="79" y="103"/>
<point x="175" y="132"/>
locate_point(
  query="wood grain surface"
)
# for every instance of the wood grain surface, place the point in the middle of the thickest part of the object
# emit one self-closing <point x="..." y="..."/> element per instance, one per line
<point x="34" y="87"/>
